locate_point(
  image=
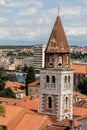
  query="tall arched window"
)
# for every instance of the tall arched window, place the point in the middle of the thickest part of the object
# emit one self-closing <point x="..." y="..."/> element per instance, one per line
<point x="60" y="61"/>
<point x="50" y="61"/>
<point x="65" y="80"/>
<point x="53" y="79"/>
<point x="47" y="78"/>
<point x="68" y="79"/>
<point x="66" y="103"/>
<point x="49" y="102"/>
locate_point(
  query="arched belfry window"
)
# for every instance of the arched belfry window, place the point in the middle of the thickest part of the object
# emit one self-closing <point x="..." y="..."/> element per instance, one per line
<point x="50" y="61"/>
<point x="69" y="79"/>
<point x="49" y="102"/>
<point x="53" y="79"/>
<point x="65" y="80"/>
<point x="47" y="78"/>
<point x="67" y="101"/>
<point x="60" y="61"/>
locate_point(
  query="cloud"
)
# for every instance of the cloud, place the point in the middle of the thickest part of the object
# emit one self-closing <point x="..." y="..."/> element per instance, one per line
<point x="29" y="11"/>
<point x="30" y="20"/>
<point x="3" y="20"/>
<point x="4" y="34"/>
<point x="76" y="31"/>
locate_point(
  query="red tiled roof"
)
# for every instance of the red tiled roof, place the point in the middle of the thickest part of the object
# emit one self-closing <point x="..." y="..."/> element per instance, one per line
<point x="81" y="103"/>
<point x="82" y="96"/>
<point x="14" y="84"/>
<point x="33" y="122"/>
<point x="66" y="123"/>
<point x="12" y="115"/>
<point x="79" y="111"/>
<point x="79" y="68"/>
<point x="35" y="83"/>
<point x="27" y="103"/>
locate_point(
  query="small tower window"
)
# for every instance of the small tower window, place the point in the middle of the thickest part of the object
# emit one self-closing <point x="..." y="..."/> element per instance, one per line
<point x="67" y="102"/>
<point x="60" y="61"/>
<point x="65" y="79"/>
<point x="53" y="79"/>
<point x="50" y="61"/>
<point x="49" y="102"/>
<point x="47" y="78"/>
<point x="68" y="79"/>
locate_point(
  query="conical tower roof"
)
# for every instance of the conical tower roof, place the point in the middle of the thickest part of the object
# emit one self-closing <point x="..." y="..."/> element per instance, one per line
<point x="57" y="42"/>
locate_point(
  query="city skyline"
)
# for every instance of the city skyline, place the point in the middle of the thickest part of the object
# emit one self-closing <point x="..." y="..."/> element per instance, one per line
<point x="31" y="21"/>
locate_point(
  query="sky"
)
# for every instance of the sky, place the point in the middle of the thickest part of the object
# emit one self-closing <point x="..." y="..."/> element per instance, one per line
<point x="27" y="22"/>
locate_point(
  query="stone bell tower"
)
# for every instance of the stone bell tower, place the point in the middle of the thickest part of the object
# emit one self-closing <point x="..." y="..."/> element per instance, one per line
<point x="56" y="78"/>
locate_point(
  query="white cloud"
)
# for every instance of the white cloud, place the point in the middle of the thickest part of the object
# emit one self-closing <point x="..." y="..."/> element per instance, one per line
<point x="27" y="26"/>
<point x="76" y="31"/>
<point x="4" y="34"/>
<point x="2" y="20"/>
<point x="29" y="11"/>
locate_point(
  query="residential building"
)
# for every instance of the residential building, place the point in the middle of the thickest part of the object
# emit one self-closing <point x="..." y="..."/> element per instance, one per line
<point x="56" y="78"/>
<point x="17" y="88"/>
<point x="80" y="72"/>
<point x="34" y="88"/>
<point x="39" y="56"/>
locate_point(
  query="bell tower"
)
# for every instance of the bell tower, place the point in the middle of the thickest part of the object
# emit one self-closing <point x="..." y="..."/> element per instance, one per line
<point x="56" y="78"/>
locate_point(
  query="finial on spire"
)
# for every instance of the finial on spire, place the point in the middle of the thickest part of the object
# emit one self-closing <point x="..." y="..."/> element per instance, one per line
<point x="58" y="10"/>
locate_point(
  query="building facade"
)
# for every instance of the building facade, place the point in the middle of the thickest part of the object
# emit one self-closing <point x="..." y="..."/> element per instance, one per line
<point x="39" y="56"/>
<point x="56" y="78"/>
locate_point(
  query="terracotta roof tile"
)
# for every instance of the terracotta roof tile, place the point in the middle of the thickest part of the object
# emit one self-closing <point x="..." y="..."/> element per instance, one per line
<point x="66" y="123"/>
<point x="81" y="103"/>
<point x="79" y="111"/>
<point x="82" y="96"/>
<point x="35" y="83"/>
<point x="33" y="122"/>
<point x="79" y="68"/>
<point x="12" y="115"/>
<point x="14" y="84"/>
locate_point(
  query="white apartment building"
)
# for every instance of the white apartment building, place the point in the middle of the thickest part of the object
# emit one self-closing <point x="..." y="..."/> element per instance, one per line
<point x="39" y="55"/>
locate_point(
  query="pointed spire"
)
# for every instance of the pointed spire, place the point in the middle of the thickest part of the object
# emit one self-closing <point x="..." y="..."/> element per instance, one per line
<point x="57" y="41"/>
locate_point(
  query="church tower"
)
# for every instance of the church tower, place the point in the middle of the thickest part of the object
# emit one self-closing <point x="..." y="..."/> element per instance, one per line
<point x="56" y="78"/>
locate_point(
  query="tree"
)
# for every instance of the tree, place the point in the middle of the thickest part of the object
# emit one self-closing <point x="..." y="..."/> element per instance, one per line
<point x="82" y="86"/>
<point x="2" y="111"/>
<point x="30" y="77"/>
<point x="25" y="69"/>
<point x="2" y="84"/>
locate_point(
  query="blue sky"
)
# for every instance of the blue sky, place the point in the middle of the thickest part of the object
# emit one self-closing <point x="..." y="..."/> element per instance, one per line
<point x="31" y="21"/>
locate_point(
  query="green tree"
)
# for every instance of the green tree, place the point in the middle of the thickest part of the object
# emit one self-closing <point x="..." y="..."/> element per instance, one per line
<point x="30" y="77"/>
<point x="1" y="128"/>
<point x="2" y="111"/>
<point x="2" y="84"/>
<point x="9" y="93"/>
<point x="82" y="86"/>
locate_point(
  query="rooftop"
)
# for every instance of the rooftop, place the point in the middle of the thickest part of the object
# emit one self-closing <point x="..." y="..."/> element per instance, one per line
<point x="79" y="68"/>
<point x="57" y="42"/>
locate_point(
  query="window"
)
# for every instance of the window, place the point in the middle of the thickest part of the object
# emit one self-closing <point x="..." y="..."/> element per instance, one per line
<point x="53" y="79"/>
<point x="49" y="102"/>
<point x="47" y="78"/>
<point x="65" y="79"/>
<point x="50" y="61"/>
<point x="68" y="79"/>
<point x="30" y="90"/>
<point x="60" y="61"/>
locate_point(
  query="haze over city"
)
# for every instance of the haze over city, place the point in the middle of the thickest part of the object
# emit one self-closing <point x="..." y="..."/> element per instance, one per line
<point x="28" y="22"/>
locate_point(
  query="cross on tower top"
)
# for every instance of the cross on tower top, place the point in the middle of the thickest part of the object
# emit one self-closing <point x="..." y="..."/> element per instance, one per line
<point x="58" y="10"/>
